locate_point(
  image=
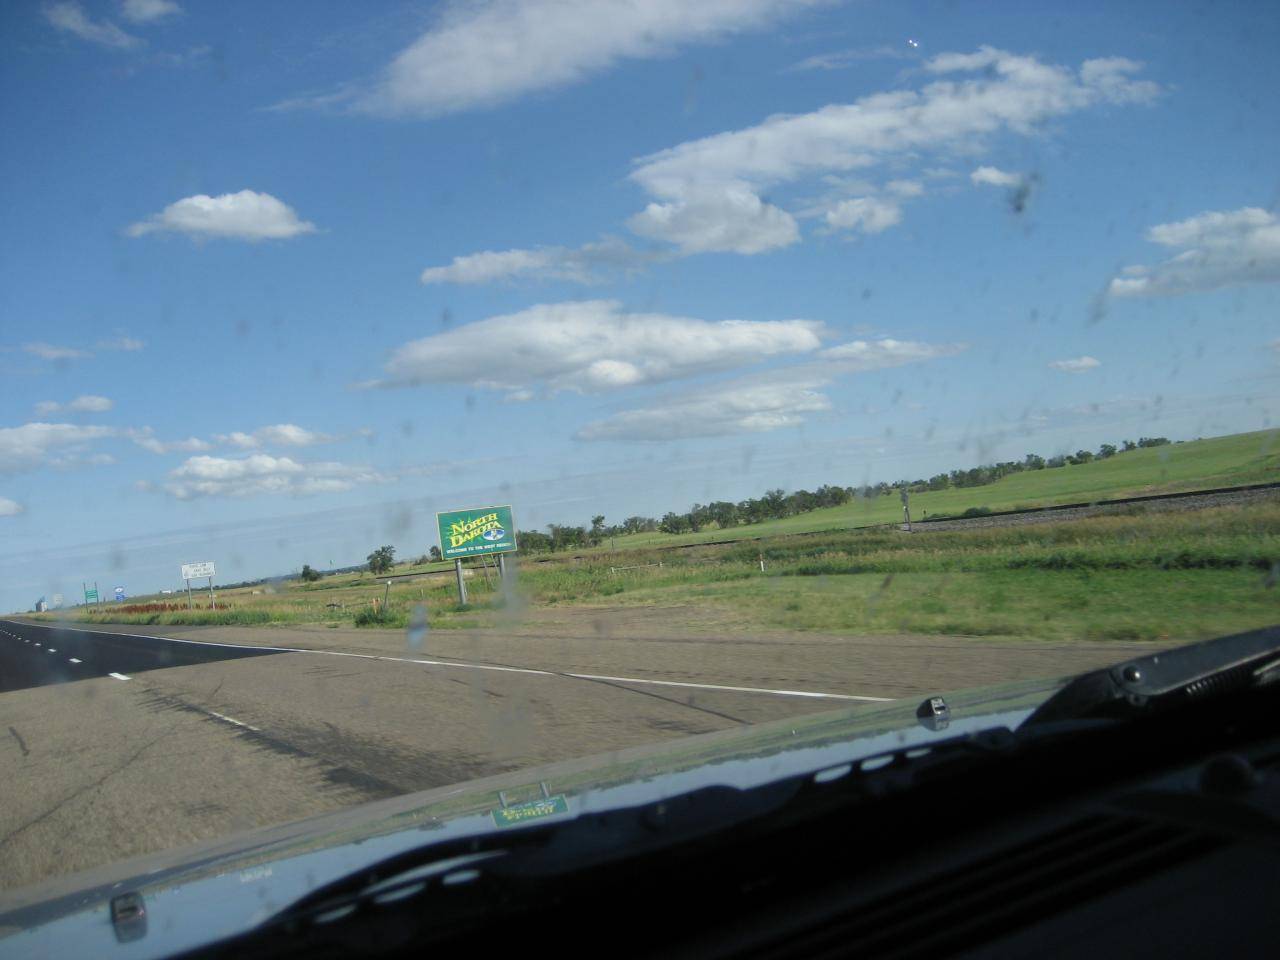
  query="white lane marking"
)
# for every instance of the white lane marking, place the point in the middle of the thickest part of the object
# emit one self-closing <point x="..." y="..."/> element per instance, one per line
<point x="50" y="650"/>
<point x="717" y="686"/>
<point x="74" y="660"/>
<point x="118" y="676"/>
<point x="464" y="665"/>
<point x="238" y="723"/>
<point x="37" y="643"/>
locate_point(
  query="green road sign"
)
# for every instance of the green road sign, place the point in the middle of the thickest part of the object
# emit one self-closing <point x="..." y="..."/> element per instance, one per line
<point x="534" y="809"/>
<point x="91" y="596"/>
<point x="468" y="533"/>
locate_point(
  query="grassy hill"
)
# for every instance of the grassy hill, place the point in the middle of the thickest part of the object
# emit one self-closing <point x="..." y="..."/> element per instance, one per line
<point x="1193" y="465"/>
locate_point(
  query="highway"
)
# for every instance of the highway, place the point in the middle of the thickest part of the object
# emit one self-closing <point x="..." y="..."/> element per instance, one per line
<point x="116" y="743"/>
<point x="48" y="656"/>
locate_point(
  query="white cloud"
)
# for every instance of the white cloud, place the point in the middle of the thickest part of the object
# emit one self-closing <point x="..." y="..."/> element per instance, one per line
<point x="484" y="53"/>
<point x="765" y="401"/>
<point x="259" y="474"/>
<point x="905" y="188"/>
<point x="34" y="445"/>
<point x="592" y="346"/>
<point x="843" y="59"/>
<point x="720" y="411"/>
<point x="49" y="351"/>
<point x="146" y="11"/>
<point x="1076" y="364"/>
<point x="867" y="214"/>
<point x="53" y="351"/>
<point x="1008" y="93"/>
<point x="590" y="263"/>
<point x="733" y="220"/>
<point x="127" y="344"/>
<point x="995" y="177"/>
<point x="86" y="403"/>
<point x="71" y="18"/>
<point x="1112" y="77"/>
<point x="243" y="216"/>
<point x="10" y="508"/>
<point x="191" y="57"/>
<point x="276" y="435"/>
<point x="1215" y="250"/>
<point x="76" y="459"/>
<point x="859" y="356"/>
<point x="145" y="438"/>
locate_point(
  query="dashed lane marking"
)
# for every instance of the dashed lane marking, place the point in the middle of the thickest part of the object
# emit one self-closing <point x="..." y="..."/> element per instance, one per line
<point x="500" y="668"/>
<point x="238" y="723"/>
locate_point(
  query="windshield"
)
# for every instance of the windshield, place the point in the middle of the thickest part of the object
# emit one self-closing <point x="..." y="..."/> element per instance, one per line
<point x="398" y="395"/>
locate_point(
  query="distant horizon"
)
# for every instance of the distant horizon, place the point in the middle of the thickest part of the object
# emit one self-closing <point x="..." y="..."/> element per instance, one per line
<point x="411" y="556"/>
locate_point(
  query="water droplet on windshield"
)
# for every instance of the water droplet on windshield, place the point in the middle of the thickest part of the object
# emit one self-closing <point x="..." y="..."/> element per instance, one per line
<point x="416" y="632"/>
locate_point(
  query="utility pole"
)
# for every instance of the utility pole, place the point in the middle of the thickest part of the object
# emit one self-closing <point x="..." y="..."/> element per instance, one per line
<point x="906" y="509"/>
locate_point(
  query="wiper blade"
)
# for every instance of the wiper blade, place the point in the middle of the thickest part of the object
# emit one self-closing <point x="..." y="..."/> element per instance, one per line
<point x="1168" y="678"/>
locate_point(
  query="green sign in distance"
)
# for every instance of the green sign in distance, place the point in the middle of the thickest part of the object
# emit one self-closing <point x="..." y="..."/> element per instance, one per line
<point x="521" y="812"/>
<point x="468" y="533"/>
<point x="91" y="596"/>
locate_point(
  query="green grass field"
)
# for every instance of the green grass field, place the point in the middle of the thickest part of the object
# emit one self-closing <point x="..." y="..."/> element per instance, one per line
<point x="1136" y="576"/>
<point x="1194" y="465"/>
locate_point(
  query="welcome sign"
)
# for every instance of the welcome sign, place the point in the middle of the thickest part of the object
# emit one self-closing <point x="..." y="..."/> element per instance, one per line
<point x="466" y="533"/>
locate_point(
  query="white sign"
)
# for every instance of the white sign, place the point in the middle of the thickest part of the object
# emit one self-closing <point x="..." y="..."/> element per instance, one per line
<point x="197" y="571"/>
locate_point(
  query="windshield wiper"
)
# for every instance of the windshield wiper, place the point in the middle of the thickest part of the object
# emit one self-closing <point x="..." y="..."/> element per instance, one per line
<point x="1166" y="679"/>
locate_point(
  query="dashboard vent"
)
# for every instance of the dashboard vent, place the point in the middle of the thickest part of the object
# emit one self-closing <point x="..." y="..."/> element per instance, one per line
<point x="964" y="908"/>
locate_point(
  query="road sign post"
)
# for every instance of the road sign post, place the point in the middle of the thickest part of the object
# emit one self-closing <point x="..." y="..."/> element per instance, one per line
<point x="462" y="584"/>
<point x="198" y="571"/>
<point x="475" y="533"/>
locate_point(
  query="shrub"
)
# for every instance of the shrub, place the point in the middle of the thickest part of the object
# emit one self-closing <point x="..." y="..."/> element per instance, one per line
<point x="372" y="617"/>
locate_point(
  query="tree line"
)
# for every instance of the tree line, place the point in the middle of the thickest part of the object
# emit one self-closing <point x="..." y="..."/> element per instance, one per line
<point x="773" y="505"/>
<point x="777" y="504"/>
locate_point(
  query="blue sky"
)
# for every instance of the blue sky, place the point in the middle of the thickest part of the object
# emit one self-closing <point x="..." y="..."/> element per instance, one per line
<point x="279" y="281"/>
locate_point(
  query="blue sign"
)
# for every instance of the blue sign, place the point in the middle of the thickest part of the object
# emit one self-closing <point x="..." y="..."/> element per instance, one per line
<point x="119" y="593"/>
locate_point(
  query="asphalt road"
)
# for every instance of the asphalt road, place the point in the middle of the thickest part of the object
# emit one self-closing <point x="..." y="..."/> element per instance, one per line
<point x="33" y="656"/>
<point x="149" y="743"/>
